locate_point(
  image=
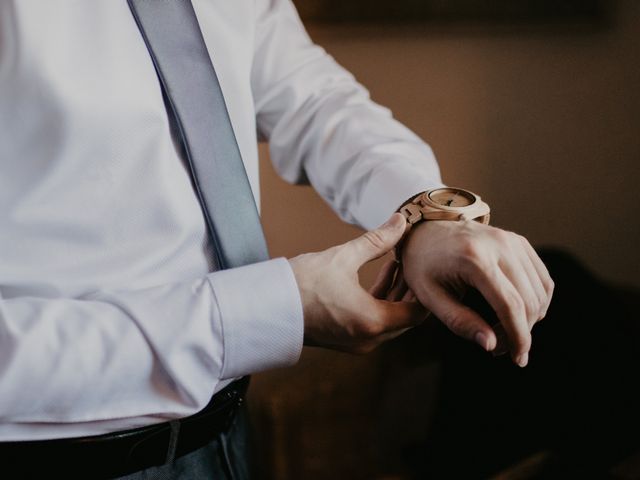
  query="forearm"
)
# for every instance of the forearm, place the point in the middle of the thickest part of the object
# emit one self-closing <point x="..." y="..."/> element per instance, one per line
<point x="323" y="128"/>
<point x="158" y="352"/>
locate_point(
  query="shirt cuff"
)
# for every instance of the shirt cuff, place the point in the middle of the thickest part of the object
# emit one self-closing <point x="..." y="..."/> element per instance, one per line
<point x="260" y="316"/>
<point x="385" y="193"/>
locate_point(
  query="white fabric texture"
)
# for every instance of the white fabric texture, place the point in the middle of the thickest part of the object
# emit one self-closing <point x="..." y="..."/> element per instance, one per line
<point x="110" y="317"/>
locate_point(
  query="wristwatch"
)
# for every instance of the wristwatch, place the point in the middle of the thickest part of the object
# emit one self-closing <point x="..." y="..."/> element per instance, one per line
<point x="444" y="203"/>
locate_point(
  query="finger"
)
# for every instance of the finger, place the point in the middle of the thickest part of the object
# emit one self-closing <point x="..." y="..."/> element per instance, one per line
<point x="374" y="243"/>
<point x="537" y="285"/>
<point x="400" y="315"/>
<point x="538" y="276"/>
<point x="384" y="280"/>
<point x="382" y="320"/>
<point x="385" y="337"/>
<point x="409" y="296"/>
<point x="509" y="306"/>
<point x="543" y="274"/>
<point x="502" y="344"/>
<point x="518" y="270"/>
<point x="399" y="288"/>
<point x="460" y="319"/>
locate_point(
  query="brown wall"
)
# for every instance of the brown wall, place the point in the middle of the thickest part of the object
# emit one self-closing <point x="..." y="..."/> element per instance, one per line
<point x="543" y="122"/>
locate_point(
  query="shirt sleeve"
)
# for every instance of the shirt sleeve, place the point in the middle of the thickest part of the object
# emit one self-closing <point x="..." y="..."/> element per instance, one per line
<point x="323" y="128"/>
<point x="157" y="352"/>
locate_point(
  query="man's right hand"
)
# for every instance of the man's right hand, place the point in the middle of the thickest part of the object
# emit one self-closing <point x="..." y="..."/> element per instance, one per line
<point x="338" y="312"/>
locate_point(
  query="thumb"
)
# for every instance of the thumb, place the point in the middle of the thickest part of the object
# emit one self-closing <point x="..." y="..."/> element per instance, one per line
<point x="375" y="243"/>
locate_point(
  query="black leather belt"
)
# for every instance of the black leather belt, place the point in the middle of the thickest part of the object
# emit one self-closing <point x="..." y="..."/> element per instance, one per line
<point x="120" y="453"/>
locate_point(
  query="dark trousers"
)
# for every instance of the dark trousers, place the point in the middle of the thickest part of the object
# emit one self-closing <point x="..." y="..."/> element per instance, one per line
<point x="228" y="457"/>
<point x="577" y="399"/>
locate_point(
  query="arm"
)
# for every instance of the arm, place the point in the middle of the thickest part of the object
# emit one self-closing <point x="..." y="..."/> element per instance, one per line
<point x="157" y="352"/>
<point x="323" y="128"/>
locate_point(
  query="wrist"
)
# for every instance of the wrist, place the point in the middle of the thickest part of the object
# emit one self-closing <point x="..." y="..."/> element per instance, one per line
<point x="442" y="203"/>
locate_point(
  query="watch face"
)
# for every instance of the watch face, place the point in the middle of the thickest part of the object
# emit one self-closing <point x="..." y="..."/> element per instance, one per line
<point x="452" y="197"/>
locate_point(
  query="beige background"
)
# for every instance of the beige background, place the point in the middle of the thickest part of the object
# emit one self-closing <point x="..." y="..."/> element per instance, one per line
<point x="542" y="121"/>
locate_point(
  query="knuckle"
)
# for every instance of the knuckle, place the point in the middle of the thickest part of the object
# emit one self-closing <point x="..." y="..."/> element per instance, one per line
<point x="453" y="321"/>
<point x="542" y="311"/>
<point x="532" y="306"/>
<point x="376" y="239"/>
<point x="514" y="307"/>
<point x="469" y="249"/>
<point x="472" y="256"/>
<point x="549" y="287"/>
<point x="522" y="239"/>
<point x="522" y="343"/>
<point x="368" y="329"/>
<point x="502" y="236"/>
<point x="453" y="324"/>
<point x="542" y="314"/>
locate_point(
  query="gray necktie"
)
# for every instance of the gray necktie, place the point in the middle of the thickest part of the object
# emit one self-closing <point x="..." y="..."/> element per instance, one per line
<point x="172" y="35"/>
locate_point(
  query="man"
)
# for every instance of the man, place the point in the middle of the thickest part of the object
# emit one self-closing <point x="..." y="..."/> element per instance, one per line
<point x="114" y="315"/>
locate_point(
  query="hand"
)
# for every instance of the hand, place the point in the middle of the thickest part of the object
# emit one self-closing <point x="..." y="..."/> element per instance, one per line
<point x="441" y="258"/>
<point x="338" y="312"/>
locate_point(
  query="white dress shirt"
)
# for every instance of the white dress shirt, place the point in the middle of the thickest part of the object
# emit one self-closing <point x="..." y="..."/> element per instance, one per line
<point x="110" y="317"/>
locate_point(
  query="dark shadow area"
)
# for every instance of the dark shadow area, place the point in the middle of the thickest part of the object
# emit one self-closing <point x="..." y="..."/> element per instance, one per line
<point x="429" y="405"/>
<point x="577" y="400"/>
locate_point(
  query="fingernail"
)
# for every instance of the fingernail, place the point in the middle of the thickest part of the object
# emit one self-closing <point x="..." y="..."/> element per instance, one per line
<point x="523" y="360"/>
<point x="481" y="339"/>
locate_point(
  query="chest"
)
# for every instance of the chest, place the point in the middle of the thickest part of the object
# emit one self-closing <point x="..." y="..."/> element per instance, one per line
<point x="88" y="60"/>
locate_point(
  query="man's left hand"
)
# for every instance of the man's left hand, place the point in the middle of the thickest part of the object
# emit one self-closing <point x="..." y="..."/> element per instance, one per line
<point x="441" y="258"/>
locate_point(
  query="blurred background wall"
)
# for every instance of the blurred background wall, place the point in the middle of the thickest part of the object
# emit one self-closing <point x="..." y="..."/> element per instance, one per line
<point x="542" y="120"/>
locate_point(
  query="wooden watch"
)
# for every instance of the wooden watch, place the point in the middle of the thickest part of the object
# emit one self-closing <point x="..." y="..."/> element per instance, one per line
<point x="444" y="203"/>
